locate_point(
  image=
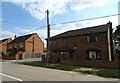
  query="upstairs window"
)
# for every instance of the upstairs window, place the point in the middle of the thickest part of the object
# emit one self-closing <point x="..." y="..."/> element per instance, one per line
<point x="52" y="42"/>
<point x="92" y="38"/>
<point x="21" y="44"/>
<point x="35" y="44"/>
<point x="10" y="46"/>
<point x="15" y="45"/>
<point x="65" y="41"/>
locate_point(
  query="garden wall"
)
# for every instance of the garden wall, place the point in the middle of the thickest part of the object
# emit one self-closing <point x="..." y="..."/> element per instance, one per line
<point x="98" y="64"/>
<point x="9" y="57"/>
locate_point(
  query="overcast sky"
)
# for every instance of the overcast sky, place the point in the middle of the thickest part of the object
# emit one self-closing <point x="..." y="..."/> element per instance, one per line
<point x="25" y="16"/>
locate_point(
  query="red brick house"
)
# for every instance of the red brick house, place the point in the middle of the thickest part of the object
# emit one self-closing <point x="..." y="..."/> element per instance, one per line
<point x="3" y="45"/>
<point x="27" y="43"/>
<point x="91" y="43"/>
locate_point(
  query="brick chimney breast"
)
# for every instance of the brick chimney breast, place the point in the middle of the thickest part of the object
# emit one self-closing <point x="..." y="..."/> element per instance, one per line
<point x="15" y="36"/>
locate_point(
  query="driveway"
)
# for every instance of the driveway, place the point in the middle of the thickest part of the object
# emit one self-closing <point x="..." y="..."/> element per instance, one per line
<point x="11" y="71"/>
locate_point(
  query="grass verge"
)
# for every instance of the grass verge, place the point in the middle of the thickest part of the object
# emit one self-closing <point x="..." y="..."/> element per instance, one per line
<point x="108" y="73"/>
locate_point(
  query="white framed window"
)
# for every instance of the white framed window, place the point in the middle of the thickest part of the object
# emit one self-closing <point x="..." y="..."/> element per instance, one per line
<point x="94" y="55"/>
<point x="61" y="53"/>
<point x="15" y="45"/>
<point x="92" y="38"/>
<point x="10" y="46"/>
<point x="21" y="44"/>
<point x="35" y="44"/>
<point x="98" y="56"/>
<point x="88" y="38"/>
<point x="52" y="42"/>
<point x="96" y="38"/>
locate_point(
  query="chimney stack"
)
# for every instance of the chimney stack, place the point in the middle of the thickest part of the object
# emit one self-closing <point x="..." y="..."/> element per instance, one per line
<point x="15" y="36"/>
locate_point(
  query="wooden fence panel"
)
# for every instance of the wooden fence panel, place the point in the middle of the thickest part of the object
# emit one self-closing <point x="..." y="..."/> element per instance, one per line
<point x="27" y="55"/>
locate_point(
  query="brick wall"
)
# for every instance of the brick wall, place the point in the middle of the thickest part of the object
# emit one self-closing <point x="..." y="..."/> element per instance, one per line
<point x="9" y="57"/>
<point x="82" y="45"/>
<point x="17" y="46"/>
<point x="98" y="64"/>
<point x="29" y="45"/>
<point x="3" y="46"/>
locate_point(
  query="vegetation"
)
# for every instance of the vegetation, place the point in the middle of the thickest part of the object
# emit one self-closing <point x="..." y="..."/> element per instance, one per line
<point x="116" y="36"/>
<point x="94" y="71"/>
<point x="12" y="54"/>
<point x="3" y="54"/>
<point x="20" y="49"/>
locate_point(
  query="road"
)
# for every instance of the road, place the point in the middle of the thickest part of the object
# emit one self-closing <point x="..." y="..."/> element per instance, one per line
<point x="17" y="72"/>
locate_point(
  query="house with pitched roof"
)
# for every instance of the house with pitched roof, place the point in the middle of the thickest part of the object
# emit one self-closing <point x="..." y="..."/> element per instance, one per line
<point x="3" y="45"/>
<point x="28" y="43"/>
<point x="92" y="43"/>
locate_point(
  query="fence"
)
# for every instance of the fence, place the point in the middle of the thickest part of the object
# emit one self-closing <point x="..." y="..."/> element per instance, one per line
<point x="27" y="55"/>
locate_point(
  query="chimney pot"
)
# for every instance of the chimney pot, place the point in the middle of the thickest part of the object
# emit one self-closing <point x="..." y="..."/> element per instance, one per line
<point x="15" y="36"/>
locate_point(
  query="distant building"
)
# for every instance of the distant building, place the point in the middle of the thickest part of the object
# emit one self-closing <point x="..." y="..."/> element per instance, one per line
<point x="92" y="43"/>
<point x="27" y="43"/>
<point x="3" y="45"/>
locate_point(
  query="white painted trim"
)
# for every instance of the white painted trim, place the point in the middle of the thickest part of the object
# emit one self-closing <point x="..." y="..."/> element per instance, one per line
<point x="11" y="77"/>
<point x="109" y="47"/>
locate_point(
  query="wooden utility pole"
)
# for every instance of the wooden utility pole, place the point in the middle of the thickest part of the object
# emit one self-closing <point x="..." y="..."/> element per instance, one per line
<point x="33" y="44"/>
<point x="48" y="38"/>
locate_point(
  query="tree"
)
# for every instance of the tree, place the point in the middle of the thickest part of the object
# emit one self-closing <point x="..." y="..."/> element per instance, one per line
<point x="117" y="40"/>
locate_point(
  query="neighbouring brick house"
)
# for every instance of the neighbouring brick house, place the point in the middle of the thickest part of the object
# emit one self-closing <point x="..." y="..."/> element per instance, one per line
<point x="3" y="45"/>
<point x="28" y="43"/>
<point x="91" y="43"/>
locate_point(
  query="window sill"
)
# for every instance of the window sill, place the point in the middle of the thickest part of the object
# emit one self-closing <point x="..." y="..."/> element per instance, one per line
<point x="97" y="59"/>
<point x="89" y="59"/>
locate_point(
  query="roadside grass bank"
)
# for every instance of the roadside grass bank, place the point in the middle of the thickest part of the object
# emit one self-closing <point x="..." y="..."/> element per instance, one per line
<point x="107" y="73"/>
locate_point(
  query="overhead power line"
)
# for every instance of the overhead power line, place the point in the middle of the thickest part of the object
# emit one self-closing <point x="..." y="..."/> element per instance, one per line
<point x="85" y="19"/>
<point x="35" y="30"/>
<point x="69" y="22"/>
<point x="15" y="23"/>
<point x="4" y="21"/>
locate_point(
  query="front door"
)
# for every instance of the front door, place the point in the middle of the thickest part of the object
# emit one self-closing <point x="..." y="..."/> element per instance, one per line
<point x="20" y="56"/>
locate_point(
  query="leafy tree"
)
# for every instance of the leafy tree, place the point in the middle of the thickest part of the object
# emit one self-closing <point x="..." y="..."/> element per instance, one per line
<point x="117" y="40"/>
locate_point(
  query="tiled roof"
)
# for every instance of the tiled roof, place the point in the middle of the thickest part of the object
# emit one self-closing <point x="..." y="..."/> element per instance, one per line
<point x="93" y="48"/>
<point x="3" y="40"/>
<point x="21" y="39"/>
<point x="94" y="29"/>
<point x="63" y="49"/>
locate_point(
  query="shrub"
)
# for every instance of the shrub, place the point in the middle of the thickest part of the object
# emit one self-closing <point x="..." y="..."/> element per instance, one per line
<point x="12" y="54"/>
<point x="3" y="54"/>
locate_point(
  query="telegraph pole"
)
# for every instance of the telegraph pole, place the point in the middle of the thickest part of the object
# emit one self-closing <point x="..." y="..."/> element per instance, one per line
<point x="48" y="38"/>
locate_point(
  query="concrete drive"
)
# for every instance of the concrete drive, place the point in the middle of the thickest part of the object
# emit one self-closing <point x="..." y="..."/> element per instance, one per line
<point x="17" y="72"/>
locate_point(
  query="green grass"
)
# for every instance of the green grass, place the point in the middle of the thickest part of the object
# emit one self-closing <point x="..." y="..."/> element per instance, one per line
<point x="100" y="72"/>
<point x="108" y="73"/>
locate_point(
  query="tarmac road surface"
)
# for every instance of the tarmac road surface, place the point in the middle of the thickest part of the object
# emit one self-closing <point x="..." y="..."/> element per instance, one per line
<point x="16" y="72"/>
